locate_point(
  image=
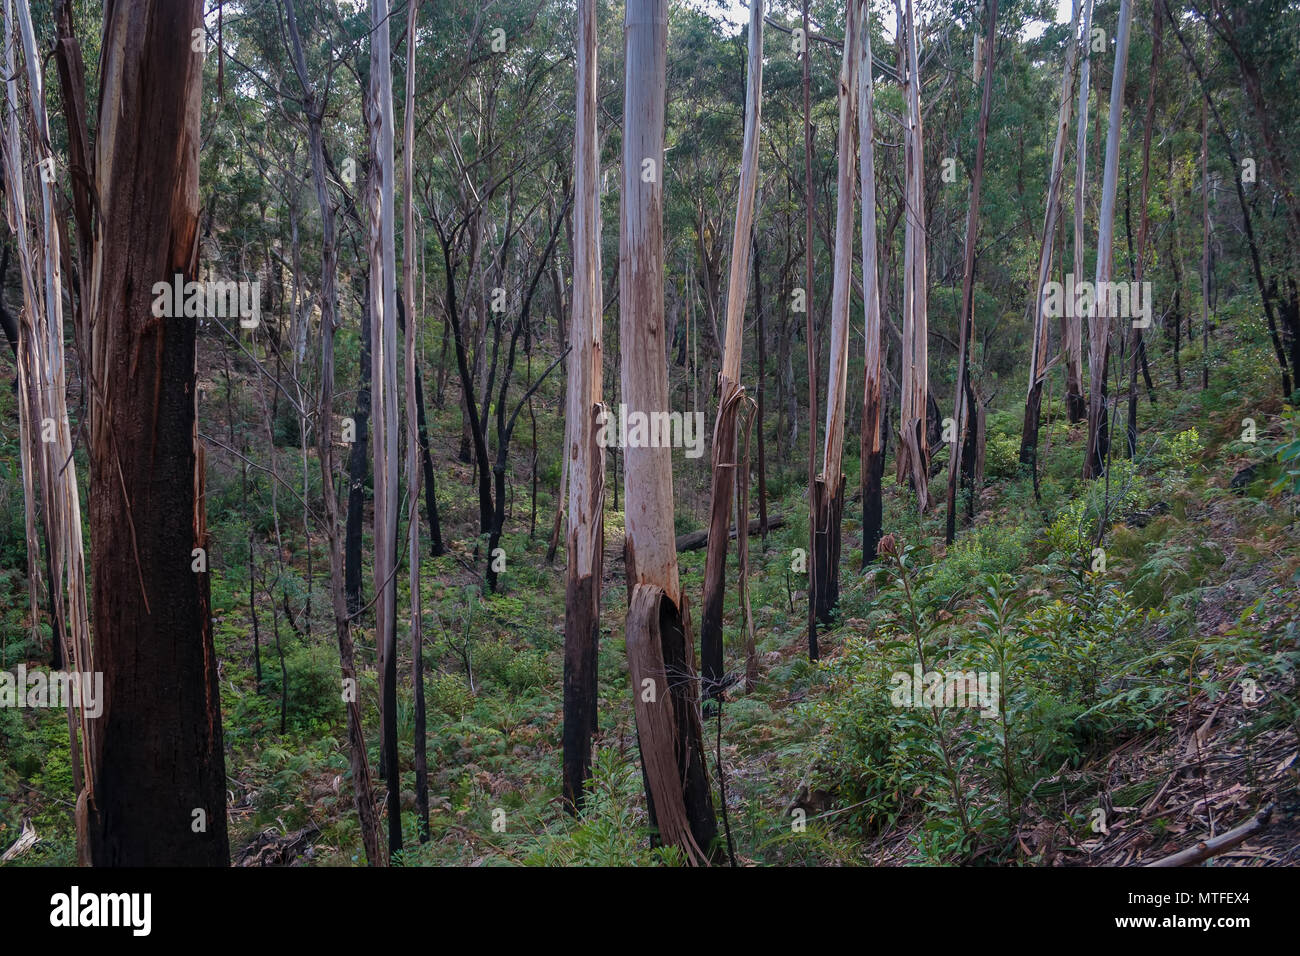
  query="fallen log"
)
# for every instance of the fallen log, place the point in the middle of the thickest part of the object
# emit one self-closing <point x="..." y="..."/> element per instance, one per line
<point x="1208" y="848"/>
<point x="694" y="540"/>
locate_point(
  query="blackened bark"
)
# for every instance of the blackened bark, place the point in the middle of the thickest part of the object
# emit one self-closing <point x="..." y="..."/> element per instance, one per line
<point x="158" y="764"/>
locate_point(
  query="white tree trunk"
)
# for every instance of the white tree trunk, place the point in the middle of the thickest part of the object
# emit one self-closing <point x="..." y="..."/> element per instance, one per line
<point x="584" y="459"/>
<point x="1103" y="312"/>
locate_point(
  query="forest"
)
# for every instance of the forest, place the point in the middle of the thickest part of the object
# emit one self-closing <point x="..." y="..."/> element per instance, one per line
<point x="583" y="433"/>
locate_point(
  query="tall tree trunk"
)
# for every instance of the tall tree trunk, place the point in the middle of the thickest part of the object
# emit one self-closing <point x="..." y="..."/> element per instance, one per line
<point x="1094" y="463"/>
<point x="810" y="341"/>
<point x="358" y="465"/>
<point x="1137" y="347"/>
<point x="362" y="784"/>
<point x="584" y="455"/>
<point x="1206" y="231"/>
<point x="828" y="491"/>
<point x="383" y="344"/>
<point x="965" y="395"/>
<point x="731" y="393"/>
<point x="872" y="449"/>
<point x="153" y="627"/>
<point x="760" y="389"/>
<point x="1072" y="323"/>
<point x="913" y="455"/>
<point x="42" y="387"/>
<point x="1038" y="356"/>
<point x="658" y="626"/>
<point x="414" y="409"/>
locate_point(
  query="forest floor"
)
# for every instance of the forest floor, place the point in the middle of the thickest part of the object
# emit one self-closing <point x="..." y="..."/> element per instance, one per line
<point x="1145" y="703"/>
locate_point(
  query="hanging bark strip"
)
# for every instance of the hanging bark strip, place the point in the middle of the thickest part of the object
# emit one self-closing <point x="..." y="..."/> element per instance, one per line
<point x="42" y="387"/>
<point x="965" y="395"/>
<point x="660" y="651"/>
<point x="872" y="450"/>
<point x="152" y="614"/>
<point x="359" y="764"/>
<point x="914" y="450"/>
<point x="730" y="391"/>
<point x="383" y="344"/>
<point x="1039" y="365"/>
<point x="584" y="459"/>
<point x="828" y="492"/>
<point x="1094" y="462"/>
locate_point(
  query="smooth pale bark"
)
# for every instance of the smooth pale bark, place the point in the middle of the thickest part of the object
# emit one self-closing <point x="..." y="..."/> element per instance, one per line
<point x="42" y="388"/>
<point x="1206" y="230"/>
<point x="828" y="491"/>
<point x="1136" y="346"/>
<point x="359" y="763"/>
<point x="383" y="351"/>
<point x="914" y="449"/>
<point x="731" y="394"/>
<point x="965" y="395"/>
<point x="658" y="629"/>
<point x="153" y="636"/>
<point x="1038" y="357"/>
<point x="413" y="443"/>
<point x="584" y="460"/>
<point x="872" y="451"/>
<point x="1094" y="462"/>
<point x="1076" y="405"/>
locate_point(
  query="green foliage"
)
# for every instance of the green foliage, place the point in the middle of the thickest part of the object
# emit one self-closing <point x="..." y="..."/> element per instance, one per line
<point x="1001" y="456"/>
<point x="990" y="549"/>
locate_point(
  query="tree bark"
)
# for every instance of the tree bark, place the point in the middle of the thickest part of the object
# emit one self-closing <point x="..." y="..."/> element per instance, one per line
<point x="1094" y="463"/>
<point x="1071" y="322"/>
<point x="658" y="626"/>
<point x="1038" y="356"/>
<point x="913" y="455"/>
<point x="964" y="397"/>
<point x="362" y="783"/>
<point x="153" y="637"/>
<point x="731" y="392"/>
<point x="383" y="344"/>
<point x="584" y="455"/>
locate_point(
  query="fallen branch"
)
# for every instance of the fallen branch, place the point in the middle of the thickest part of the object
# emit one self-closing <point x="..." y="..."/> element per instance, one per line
<point x="1208" y="848"/>
<point x="694" y="540"/>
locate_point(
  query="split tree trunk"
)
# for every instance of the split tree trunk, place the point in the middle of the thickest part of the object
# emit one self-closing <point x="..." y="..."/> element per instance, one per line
<point x="731" y="394"/>
<point x="828" y="490"/>
<point x="659" y="646"/>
